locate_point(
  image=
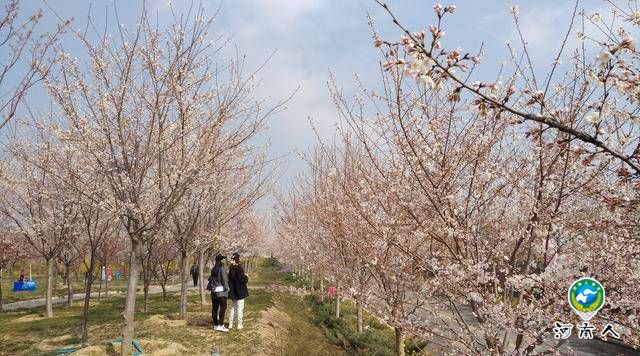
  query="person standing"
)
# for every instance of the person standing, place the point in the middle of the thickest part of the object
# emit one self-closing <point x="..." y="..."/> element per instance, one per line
<point x="238" y="290"/>
<point x="195" y="273"/>
<point x="219" y="285"/>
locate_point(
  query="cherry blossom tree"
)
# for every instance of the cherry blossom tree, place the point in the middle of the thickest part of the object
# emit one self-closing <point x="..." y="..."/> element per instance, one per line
<point x="478" y="210"/>
<point x="20" y="44"/>
<point x="579" y="151"/>
<point x="163" y="262"/>
<point x="70" y="258"/>
<point x="152" y="112"/>
<point x="11" y="251"/>
<point x="40" y="209"/>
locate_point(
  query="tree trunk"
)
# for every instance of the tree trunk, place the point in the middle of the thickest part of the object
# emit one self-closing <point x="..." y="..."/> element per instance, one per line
<point x="337" y="305"/>
<point x="184" y="277"/>
<point x="130" y="299"/>
<point x="322" y="289"/>
<point x="399" y="342"/>
<point x="69" y="287"/>
<point x="106" y="282"/>
<point x="1" y="300"/>
<point x="87" y="296"/>
<point x="146" y="281"/>
<point x="49" y="288"/>
<point x="359" y="317"/>
<point x="201" y="285"/>
<point x="164" y="292"/>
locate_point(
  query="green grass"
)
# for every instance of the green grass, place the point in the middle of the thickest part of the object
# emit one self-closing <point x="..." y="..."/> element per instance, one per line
<point x="23" y="337"/>
<point x="377" y="339"/>
<point x="28" y="333"/>
<point x="303" y="336"/>
<point x="269" y="271"/>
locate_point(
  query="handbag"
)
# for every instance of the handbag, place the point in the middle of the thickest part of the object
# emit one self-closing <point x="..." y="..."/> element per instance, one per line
<point x="214" y="286"/>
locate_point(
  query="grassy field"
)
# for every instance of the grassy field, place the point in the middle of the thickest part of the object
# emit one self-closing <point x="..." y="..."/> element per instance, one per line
<point x="276" y="323"/>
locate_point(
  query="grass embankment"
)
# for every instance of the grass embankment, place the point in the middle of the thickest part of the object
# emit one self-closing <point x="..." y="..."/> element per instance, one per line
<point x="376" y="339"/>
<point x="276" y="323"/>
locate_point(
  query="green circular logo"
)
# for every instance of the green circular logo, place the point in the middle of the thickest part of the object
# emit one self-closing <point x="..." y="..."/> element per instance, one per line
<point x="586" y="297"/>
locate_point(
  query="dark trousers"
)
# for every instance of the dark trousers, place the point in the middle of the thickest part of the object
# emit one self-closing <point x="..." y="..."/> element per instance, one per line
<point x="195" y="279"/>
<point x="218" y="310"/>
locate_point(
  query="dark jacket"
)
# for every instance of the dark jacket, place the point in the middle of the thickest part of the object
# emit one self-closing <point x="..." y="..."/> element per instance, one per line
<point x="219" y="274"/>
<point x="238" y="283"/>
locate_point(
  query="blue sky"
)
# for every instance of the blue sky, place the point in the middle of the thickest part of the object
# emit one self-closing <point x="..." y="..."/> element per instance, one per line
<point x="313" y="37"/>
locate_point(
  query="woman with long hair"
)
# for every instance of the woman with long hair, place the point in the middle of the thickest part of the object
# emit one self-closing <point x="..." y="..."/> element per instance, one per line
<point x="238" y="290"/>
<point x="219" y="286"/>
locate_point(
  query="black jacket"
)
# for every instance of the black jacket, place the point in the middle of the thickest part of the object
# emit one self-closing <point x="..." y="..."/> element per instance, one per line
<point x="219" y="276"/>
<point x="237" y="283"/>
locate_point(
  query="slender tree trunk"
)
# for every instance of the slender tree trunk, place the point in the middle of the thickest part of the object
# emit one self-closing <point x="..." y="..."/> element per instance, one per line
<point x="100" y="286"/>
<point x="359" y="317"/>
<point x="146" y="281"/>
<point x="322" y="289"/>
<point x="201" y="286"/>
<point x="399" y="342"/>
<point x="106" y="281"/>
<point x="87" y="297"/>
<point x="49" y="288"/>
<point x="164" y="292"/>
<point x="130" y="299"/>
<point x="1" y="297"/>
<point x="337" y="304"/>
<point x="69" y="287"/>
<point x="184" y="277"/>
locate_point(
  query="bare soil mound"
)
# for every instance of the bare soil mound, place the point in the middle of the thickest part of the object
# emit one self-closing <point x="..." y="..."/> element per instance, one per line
<point x="28" y="318"/>
<point x="200" y="319"/>
<point x="163" y="321"/>
<point x="94" y="350"/>
<point x="55" y="343"/>
<point x="162" y="348"/>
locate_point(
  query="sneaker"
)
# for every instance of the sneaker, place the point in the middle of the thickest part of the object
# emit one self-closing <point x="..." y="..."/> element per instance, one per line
<point x="223" y="329"/>
<point x="240" y="326"/>
<point x="216" y="327"/>
<point x="230" y="326"/>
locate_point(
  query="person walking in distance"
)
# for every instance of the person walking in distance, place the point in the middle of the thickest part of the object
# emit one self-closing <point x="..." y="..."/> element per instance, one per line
<point x="238" y="290"/>
<point x="195" y="273"/>
<point x="219" y="287"/>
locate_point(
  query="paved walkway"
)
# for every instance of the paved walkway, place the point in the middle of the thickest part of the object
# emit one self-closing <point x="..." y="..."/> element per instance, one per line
<point x="35" y="303"/>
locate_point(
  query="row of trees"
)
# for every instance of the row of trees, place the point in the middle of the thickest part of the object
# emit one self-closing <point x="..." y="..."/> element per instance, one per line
<point x="148" y="147"/>
<point x="460" y="211"/>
